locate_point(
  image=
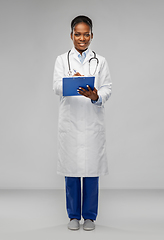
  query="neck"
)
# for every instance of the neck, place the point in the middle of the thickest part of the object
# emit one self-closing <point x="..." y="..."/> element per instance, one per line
<point x="81" y="51"/>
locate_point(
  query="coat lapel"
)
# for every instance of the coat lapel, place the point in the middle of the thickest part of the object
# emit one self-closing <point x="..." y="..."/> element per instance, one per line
<point x="89" y="56"/>
<point x="74" y="55"/>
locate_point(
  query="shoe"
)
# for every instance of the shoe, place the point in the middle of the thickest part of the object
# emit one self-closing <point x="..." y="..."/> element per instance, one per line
<point x="74" y="224"/>
<point x="88" y="225"/>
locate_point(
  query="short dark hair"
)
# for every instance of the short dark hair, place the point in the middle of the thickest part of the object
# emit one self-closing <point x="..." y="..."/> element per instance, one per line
<point x="80" y="19"/>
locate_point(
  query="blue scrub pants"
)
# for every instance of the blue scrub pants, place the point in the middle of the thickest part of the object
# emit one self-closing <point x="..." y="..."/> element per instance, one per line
<point x="89" y="197"/>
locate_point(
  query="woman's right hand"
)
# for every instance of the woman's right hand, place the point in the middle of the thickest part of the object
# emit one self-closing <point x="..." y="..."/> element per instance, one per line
<point x="77" y="74"/>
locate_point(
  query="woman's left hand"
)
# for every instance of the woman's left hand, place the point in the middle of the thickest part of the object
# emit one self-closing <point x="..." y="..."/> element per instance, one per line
<point x="89" y="93"/>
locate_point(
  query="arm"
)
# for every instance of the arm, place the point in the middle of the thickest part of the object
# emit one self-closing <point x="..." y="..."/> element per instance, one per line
<point x="57" y="76"/>
<point x="106" y="85"/>
<point x="99" y="97"/>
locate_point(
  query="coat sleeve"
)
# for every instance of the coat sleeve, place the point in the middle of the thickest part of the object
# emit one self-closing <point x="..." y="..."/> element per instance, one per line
<point x="57" y="76"/>
<point x="106" y="85"/>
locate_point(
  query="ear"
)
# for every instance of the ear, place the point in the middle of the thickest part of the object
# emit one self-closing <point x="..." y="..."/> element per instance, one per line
<point x="71" y="36"/>
<point x="91" y="35"/>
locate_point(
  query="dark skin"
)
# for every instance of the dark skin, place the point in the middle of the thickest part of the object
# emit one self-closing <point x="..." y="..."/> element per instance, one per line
<point x="81" y="37"/>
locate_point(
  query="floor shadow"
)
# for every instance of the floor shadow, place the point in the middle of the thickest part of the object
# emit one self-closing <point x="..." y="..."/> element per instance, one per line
<point x="61" y="231"/>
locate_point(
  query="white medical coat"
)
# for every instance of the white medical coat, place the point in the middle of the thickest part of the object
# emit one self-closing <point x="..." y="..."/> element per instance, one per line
<point x="81" y="127"/>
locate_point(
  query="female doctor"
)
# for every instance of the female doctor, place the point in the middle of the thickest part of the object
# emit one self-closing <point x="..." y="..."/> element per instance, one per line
<point x="81" y="128"/>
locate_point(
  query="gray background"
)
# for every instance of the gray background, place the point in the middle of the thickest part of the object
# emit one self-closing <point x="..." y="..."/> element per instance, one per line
<point x="129" y="34"/>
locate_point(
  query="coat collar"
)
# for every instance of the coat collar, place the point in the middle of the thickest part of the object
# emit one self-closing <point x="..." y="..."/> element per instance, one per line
<point x="75" y="55"/>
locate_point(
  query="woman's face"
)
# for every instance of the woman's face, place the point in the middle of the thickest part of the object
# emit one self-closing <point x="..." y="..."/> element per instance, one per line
<point x="81" y="36"/>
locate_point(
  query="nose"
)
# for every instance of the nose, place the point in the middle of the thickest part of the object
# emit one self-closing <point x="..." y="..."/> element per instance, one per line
<point x="82" y="37"/>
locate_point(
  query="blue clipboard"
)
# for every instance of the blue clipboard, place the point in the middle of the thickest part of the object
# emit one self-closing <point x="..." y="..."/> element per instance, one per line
<point x="71" y="84"/>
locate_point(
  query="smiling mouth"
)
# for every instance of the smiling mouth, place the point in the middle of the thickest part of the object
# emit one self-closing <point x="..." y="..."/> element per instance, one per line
<point x="82" y="44"/>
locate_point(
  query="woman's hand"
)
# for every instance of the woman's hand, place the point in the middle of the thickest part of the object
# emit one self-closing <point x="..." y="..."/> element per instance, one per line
<point x="77" y="74"/>
<point x="89" y="93"/>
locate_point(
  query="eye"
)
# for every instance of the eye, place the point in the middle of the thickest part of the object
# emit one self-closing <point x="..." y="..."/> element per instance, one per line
<point x="87" y="34"/>
<point x="77" y="34"/>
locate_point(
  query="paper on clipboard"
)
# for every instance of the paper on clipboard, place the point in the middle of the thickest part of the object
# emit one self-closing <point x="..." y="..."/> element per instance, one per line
<point x="71" y="84"/>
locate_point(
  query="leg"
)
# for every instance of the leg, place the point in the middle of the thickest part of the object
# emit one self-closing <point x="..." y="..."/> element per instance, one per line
<point x="90" y="197"/>
<point x="73" y="197"/>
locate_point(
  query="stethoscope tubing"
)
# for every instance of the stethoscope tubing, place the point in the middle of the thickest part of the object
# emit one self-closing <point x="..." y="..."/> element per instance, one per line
<point x="69" y="67"/>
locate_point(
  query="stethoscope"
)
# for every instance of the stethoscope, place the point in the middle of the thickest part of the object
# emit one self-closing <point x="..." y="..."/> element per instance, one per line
<point x="93" y="58"/>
